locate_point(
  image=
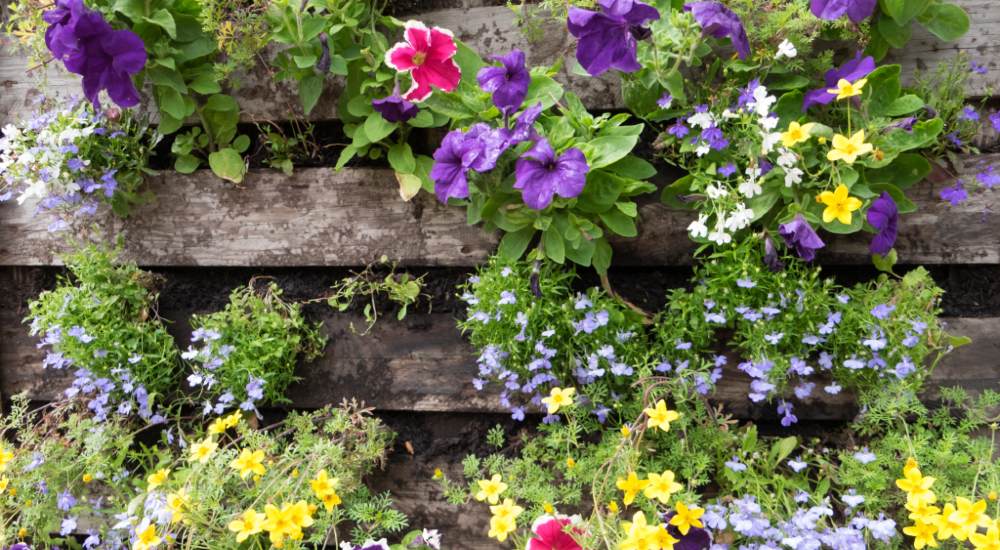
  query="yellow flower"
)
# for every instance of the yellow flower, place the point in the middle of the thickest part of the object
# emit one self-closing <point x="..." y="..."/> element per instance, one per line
<point x="22" y="532"/>
<point x="663" y="538"/>
<point x="848" y="149"/>
<point x="846" y="89"/>
<point x="989" y="541"/>
<point x="796" y="133"/>
<point x="639" y="535"/>
<point x="295" y="473"/>
<point x="157" y="478"/>
<point x="839" y="205"/>
<point x="300" y="514"/>
<point x="203" y="450"/>
<point x="626" y="430"/>
<point x="177" y="503"/>
<point x="323" y="483"/>
<point x="87" y="478"/>
<point x="559" y="398"/>
<point x="438" y="474"/>
<point x="946" y="527"/>
<point x="507" y="509"/>
<point x="249" y="462"/>
<point x="330" y="500"/>
<point x="145" y="536"/>
<point x="923" y="535"/>
<point x="549" y="509"/>
<point x="278" y="524"/>
<point x="992" y="495"/>
<point x="686" y="518"/>
<point x="5" y="457"/>
<point x="631" y="486"/>
<point x="662" y="486"/>
<point x="570" y="462"/>
<point x="4" y="483"/>
<point x="660" y="417"/>
<point x="613" y="507"/>
<point x="233" y="419"/>
<point x="217" y="427"/>
<point x="490" y="489"/>
<point x="922" y="511"/>
<point x="969" y="515"/>
<point x="501" y="527"/>
<point x="250" y="523"/>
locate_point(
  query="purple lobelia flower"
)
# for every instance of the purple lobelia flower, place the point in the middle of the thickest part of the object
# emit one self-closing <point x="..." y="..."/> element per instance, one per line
<point x="884" y="217"/>
<point x="508" y="83"/>
<point x="719" y="21"/>
<point x="853" y="70"/>
<point x="477" y="149"/>
<point x="394" y="108"/>
<point x="608" y="38"/>
<point x="956" y="194"/>
<point x="798" y="234"/>
<point x="856" y="10"/>
<point x="88" y="46"/>
<point x="540" y="174"/>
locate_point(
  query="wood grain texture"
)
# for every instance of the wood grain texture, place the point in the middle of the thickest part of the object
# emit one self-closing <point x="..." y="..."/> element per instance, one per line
<point x="319" y="217"/>
<point x="491" y="30"/>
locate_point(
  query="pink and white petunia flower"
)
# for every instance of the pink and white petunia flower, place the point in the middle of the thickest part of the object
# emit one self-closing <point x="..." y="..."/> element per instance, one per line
<point x="549" y="533"/>
<point x="428" y="56"/>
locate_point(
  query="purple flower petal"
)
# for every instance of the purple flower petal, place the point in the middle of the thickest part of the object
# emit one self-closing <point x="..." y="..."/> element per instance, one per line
<point x="719" y="21"/>
<point x="608" y="39"/>
<point x="540" y="174"/>
<point x="884" y="217"/>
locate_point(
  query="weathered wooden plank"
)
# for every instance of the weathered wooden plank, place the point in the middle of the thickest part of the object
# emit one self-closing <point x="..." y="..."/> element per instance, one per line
<point x="491" y="30"/>
<point x="424" y="364"/>
<point x="319" y="217"/>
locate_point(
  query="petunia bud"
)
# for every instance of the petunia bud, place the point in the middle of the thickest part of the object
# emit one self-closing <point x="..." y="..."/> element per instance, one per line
<point x="113" y="113"/>
<point x="323" y="65"/>
<point x="771" y="258"/>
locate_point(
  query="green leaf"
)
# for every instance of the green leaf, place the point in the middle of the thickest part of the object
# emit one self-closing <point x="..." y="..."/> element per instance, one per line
<point x="545" y="90"/>
<point x="885" y="263"/>
<point x="360" y="106"/>
<point x="424" y="119"/>
<point x="789" y="108"/>
<point x="582" y="252"/>
<point x="922" y="134"/>
<point x="787" y="82"/>
<point x="305" y="61"/>
<point x="882" y="89"/>
<point x="228" y="165"/>
<point x="241" y="143"/>
<point x="945" y="21"/>
<point x="513" y="245"/>
<point x="600" y="192"/>
<point x="186" y="164"/>
<point x="607" y="150"/>
<point x="378" y="128"/>
<point x="782" y="449"/>
<point x="632" y="167"/>
<point x="628" y="208"/>
<point x="555" y="247"/>
<point x="602" y="256"/>
<point x="401" y="158"/>
<point x="904" y="105"/>
<point x="163" y="19"/>
<point x="903" y="11"/>
<point x="168" y="124"/>
<point x="467" y="59"/>
<point x="903" y="203"/>
<point x="619" y="223"/>
<point x="162" y="76"/>
<point x="171" y="102"/>
<point x="409" y="185"/>
<point x="310" y="88"/>
<point x="674" y="83"/>
<point x="906" y="170"/>
<point x="895" y="34"/>
<point x="345" y="156"/>
<point x="205" y="84"/>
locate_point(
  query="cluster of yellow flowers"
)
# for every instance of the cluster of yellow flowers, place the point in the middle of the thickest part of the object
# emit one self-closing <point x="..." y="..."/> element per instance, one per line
<point x="960" y="520"/>
<point x="325" y="488"/>
<point x="287" y="521"/>
<point x="5" y="457"/>
<point x="504" y="519"/>
<point x="640" y="535"/>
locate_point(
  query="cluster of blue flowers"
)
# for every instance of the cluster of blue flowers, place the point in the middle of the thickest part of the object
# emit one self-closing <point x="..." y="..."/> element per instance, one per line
<point x="205" y="361"/>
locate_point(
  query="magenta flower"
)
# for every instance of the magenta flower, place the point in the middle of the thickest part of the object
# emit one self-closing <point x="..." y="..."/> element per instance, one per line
<point x="608" y="39"/>
<point x="508" y="83"/>
<point x="884" y="217"/>
<point x="853" y="70"/>
<point x="856" y="10"/>
<point x="548" y="533"/>
<point x="89" y="47"/>
<point x="540" y="174"/>
<point x="428" y="56"/>
<point x="395" y="109"/>
<point x="719" y="21"/>
<point x="798" y="234"/>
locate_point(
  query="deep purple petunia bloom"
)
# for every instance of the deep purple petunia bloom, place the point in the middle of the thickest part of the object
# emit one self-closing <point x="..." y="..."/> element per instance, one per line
<point x="524" y="126"/>
<point x="856" y="10"/>
<point x="798" y="234"/>
<point x="608" y="39"/>
<point x="853" y="70"/>
<point x="88" y="46"/>
<point x="395" y="109"/>
<point x="956" y="194"/>
<point x="477" y="149"/>
<point x="540" y="174"/>
<point x="719" y="21"/>
<point x="884" y="217"/>
<point x="508" y="83"/>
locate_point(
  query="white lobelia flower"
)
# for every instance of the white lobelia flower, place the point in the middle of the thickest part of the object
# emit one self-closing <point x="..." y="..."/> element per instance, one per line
<point x="793" y="176"/>
<point x="729" y="115"/>
<point x="716" y="192"/>
<point x="786" y="49"/>
<point x="702" y="120"/>
<point x="769" y="141"/>
<point x="750" y="188"/>
<point x="702" y="149"/>
<point x="786" y="158"/>
<point x="719" y="236"/>
<point x="697" y="228"/>
<point x="762" y="101"/>
<point x="740" y="218"/>
<point x="768" y="123"/>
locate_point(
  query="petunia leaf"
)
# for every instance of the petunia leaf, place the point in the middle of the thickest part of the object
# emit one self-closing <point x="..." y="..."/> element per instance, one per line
<point x="619" y="223"/>
<point x="607" y="150"/>
<point x="895" y="34"/>
<point x="555" y="247"/>
<point x="378" y="128"/>
<point x="545" y="90"/>
<point x="401" y="158"/>
<point x="310" y="88"/>
<point x="903" y="11"/>
<point x="163" y="19"/>
<point x="882" y="89"/>
<point x="513" y="244"/>
<point x="602" y="256"/>
<point x="945" y="21"/>
<point x="228" y="165"/>
<point x="906" y="170"/>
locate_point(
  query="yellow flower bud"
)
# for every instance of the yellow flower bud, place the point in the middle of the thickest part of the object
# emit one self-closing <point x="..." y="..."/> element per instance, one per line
<point x="87" y="478"/>
<point x="22" y="532"/>
<point x="570" y="463"/>
<point x="438" y="474"/>
<point x="613" y="507"/>
<point x="548" y="508"/>
<point x="992" y="495"/>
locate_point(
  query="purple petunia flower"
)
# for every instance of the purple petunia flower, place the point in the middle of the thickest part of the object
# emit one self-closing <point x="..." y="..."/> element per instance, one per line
<point x="956" y="194"/>
<point x="853" y="70"/>
<point x="719" y="21"/>
<point x="771" y="259"/>
<point x="608" y="39"/>
<point x="884" y="217"/>
<point x="540" y="174"/>
<point x="88" y="46"/>
<point x="477" y="149"/>
<point x="798" y="234"/>
<point x="856" y="10"/>
<point x="508" y="83"/>
<point x="395" y="109"/>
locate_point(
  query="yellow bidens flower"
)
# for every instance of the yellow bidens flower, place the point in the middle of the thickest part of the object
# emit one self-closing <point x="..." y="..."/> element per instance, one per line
<point x="660" y="417"/>
<point x="549" y="509"/>
<point x="846" y="89"/>
<point x="570" y="462"/>
<point x="145" y="536"/>
<point x="613" y="507"/>
<point x="989" y="541"/>
<point x="916" y="486"/>
<point x="839" y="205"/>
<point x="947" y="528"/>
<point x="249" y="523"/>
<point x="559" y="398"/>
<point x="491" y="489"/>
<point x="217" y="427"/>
<point x="640" y="535"/>
<point x="686" y="518"/>
<point x="796" y="133"/>
<point x="504" y="520"/>
<point x="177" y="503"/>
<point x="438" y="474"/>
<point x="923" y="534"/>
<point x="203" y="450"/>
<point x="157" y="478"/>
<point x="626" y="431"/>
<point x="922" y="511"/>
<point x="249" y="462"/>
<point x="87" y="478"/>
<point x="325" y="488"/>
<point x="287" y="521"/>
<point x="970" y="516"/>
<point x="22" y="532"/>
<point x="4" y="483"/>
<point x="662" y="486"/>
<point x="233" y="419"/>
<point x="631" y="486"/>
<point x="5" y="457"/>
<point x="848" y="149"/>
